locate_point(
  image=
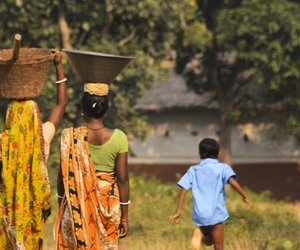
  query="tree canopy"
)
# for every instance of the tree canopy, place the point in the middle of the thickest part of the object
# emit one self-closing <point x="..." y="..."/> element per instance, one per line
<point x="243" y="53"/>
<point x="249" y="63"/>
<point x="145" y="30"/>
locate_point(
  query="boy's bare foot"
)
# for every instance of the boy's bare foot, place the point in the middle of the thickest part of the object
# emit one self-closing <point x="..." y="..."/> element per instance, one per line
<point x="196" y="240"/>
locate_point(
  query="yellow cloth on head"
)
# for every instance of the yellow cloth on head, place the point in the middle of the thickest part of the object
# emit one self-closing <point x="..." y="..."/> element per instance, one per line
<point x="25" y="197"/>
<point x="100" y="89"/>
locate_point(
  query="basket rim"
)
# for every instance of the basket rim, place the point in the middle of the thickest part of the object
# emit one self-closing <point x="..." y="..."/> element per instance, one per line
<point x="24" y="61"/>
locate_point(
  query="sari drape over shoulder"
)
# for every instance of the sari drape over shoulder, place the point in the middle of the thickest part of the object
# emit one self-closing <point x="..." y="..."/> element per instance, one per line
<point x="25" y="196"/>
<point x="89" y="214"/>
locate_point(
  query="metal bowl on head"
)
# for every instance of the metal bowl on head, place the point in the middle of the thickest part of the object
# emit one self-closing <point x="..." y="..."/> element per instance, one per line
<point x="96" y="67"/>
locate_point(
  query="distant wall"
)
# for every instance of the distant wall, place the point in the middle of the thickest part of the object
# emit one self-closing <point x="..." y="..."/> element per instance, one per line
<point x="282" y="179"/>
<point x="176" y="134"/>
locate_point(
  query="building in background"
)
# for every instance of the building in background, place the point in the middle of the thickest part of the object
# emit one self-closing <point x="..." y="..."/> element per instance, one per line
<point x="180" y="118"/>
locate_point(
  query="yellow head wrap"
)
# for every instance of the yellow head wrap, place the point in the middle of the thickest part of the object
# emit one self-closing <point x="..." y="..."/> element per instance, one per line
<point x="100" y="89"/>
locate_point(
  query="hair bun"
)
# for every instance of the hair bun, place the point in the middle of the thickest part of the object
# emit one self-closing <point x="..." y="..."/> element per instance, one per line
<point x="94" y="106"/>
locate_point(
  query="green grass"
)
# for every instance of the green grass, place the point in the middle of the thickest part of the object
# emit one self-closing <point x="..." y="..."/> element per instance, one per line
<point x="271" y="225"/>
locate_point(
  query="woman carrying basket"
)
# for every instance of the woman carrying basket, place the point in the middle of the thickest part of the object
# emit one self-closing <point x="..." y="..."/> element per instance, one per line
<point x="93" y="179"/>
<point x="93" y="183"/>
<point x="25" y="196"/>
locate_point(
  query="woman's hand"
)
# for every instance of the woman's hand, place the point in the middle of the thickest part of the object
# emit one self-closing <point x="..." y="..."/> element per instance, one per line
<point x="57" y="57"/>
<point x="58" y="111"/>
<point x="124" y="228"/>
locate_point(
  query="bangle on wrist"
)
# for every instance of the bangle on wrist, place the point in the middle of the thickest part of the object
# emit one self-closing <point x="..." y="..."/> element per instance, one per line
<point x="125" y="203"/>
<point x="62" y="80"/>
<point x="124" y="220"/>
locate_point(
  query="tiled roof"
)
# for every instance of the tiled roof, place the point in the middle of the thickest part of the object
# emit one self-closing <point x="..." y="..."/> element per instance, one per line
<point x="172" y="93"/>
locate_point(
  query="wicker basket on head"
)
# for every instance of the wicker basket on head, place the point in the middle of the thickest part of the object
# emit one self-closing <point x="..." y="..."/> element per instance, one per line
<point x="25" y="77"/>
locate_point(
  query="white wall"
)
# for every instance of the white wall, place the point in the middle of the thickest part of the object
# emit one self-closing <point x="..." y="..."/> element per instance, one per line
<point x="187" y="128"/>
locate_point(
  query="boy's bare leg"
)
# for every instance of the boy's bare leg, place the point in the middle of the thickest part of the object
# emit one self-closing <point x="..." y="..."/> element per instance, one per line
<point x="209" y="235"/>
<point x="201" y="235"/>
<point x="196" y="240"/>
<point x="217" y="233"/>
<point x="206" y="235"/>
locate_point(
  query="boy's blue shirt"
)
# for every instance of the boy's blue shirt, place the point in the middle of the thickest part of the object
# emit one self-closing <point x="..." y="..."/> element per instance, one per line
<point x="207" y="181"/>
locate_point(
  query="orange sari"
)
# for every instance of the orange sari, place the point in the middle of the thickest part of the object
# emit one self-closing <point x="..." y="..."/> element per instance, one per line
<point x="89" y="214"/>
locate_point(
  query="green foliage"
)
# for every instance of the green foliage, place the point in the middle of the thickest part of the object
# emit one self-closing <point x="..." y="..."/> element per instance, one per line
<point x="250" y="65"/>
<point x="146" y="30"/>
<point x="197" y="35"/>
<point x="293" y="124"/>
<point x="271" y="225"/>
<point x="153" y="202"/>
<point x="269" y="230"/>
<point x="253" y="42"/>
<point x="265" y="37"/>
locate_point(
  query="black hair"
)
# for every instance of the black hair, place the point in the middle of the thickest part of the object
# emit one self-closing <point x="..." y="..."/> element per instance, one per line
<point x="209" y="148"/>
<point x="93" y="105"/>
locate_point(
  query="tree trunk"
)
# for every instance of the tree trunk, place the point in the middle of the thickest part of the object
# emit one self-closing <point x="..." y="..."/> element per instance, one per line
<point x="225" y="102"/>
<point x="225" y="140"/>
<point x="109" y="19"/>
<point x="63" y="25"/>
<point x="225" y="109"/>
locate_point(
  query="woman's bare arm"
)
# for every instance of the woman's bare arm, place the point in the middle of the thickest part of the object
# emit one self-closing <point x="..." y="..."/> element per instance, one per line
<point x="123" y="184"/>
<point x="58" y="111"/>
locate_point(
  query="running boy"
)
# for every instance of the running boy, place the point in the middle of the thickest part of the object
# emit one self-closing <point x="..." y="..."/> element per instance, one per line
<point x="207" y="181"/>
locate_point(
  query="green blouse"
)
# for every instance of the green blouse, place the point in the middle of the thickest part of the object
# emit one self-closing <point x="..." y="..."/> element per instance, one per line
<point x="104" y="156"/>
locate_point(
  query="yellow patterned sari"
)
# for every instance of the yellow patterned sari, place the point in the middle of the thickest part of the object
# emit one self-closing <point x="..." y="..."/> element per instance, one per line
<point x="25" y="193"/>
<point x="89" y="214"/>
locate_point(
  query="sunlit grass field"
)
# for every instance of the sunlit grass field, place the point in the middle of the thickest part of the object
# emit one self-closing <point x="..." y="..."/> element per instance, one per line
<point x="271" y="225"/>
